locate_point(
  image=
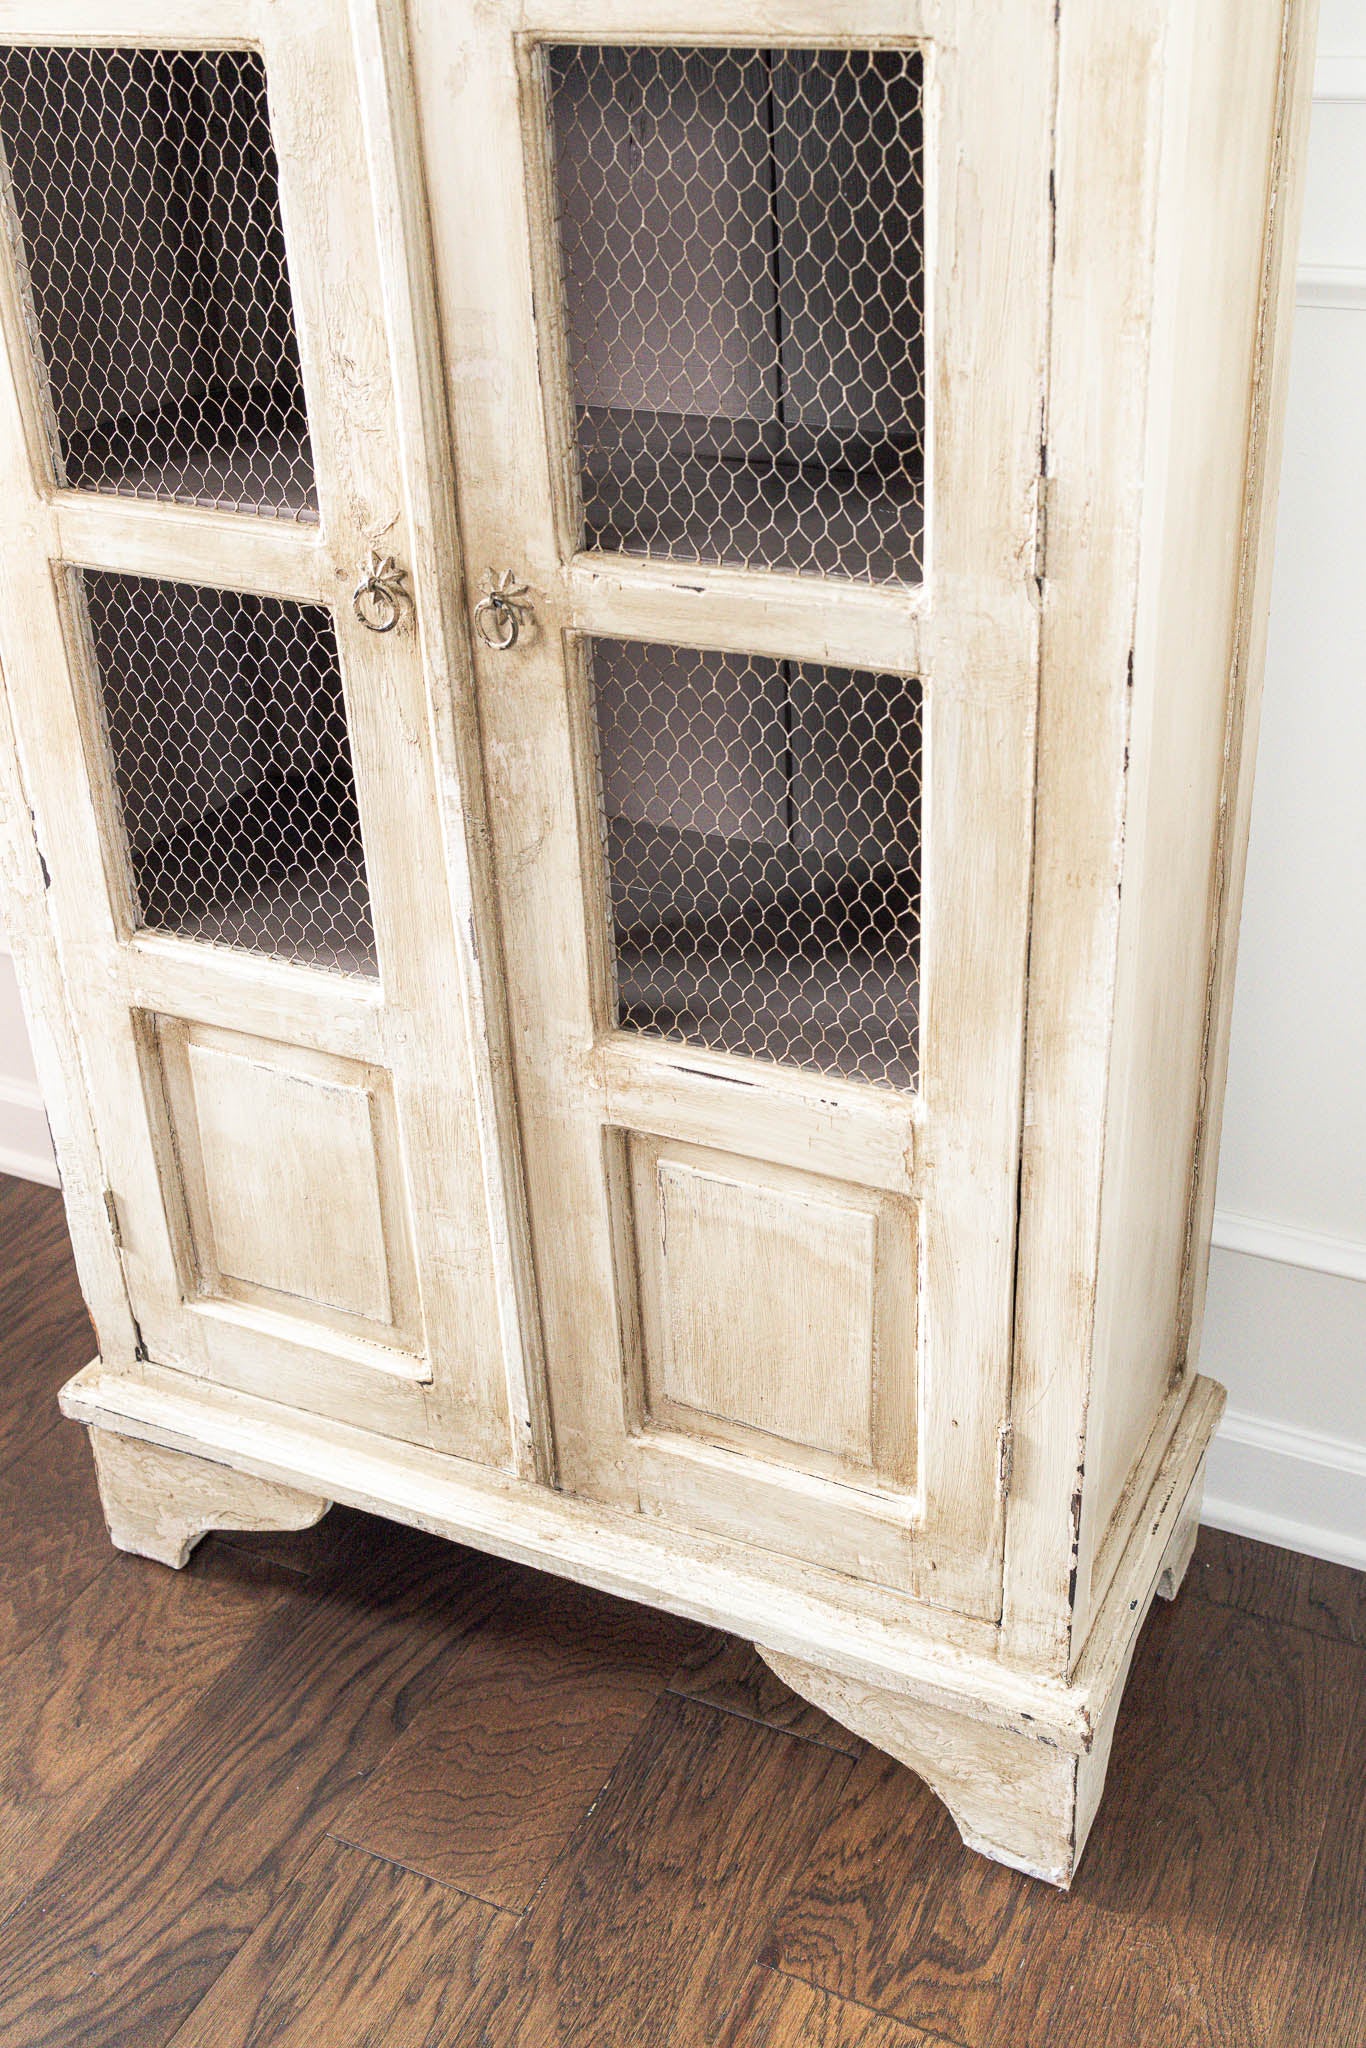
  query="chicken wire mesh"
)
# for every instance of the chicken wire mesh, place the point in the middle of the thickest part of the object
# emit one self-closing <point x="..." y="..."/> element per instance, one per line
<point x="146" y="218"/>
<point x="232" y="764"/>
<point x="741" y="238"/>
<point x="761" y="833"/>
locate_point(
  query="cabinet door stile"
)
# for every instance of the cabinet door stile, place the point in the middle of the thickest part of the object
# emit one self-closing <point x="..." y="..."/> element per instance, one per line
<point x="388" y="113"/>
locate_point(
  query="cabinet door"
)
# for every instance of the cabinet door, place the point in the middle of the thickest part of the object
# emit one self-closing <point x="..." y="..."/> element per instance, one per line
<point x="229" y="679"/>
<point x="745" y="308"/>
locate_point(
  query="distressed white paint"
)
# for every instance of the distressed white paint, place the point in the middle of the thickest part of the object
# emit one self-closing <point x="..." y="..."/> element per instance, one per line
<point x="950" y="1595"/>
<point x="159" y="1503"/>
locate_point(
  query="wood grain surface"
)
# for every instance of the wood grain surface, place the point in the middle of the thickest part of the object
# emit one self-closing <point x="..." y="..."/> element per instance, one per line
<point x="1327" y="2003"/>
<point x="891" y="1911"/>
<point x="193" y="1846"/>
<point x="777" y="2011"/>
<point x="667" y="1846"/>
<point x="89" y="1700"/>
<point x="52" y="1536"/>
<point x="44" y="1313"/>
<point x="1233" y="1736"/>
<point x="356" y="1950"/>
<point x="489" y="1782"/>
<point x="647" y="1928"/>
<point x="1280" y="1585"/>
<point x="724" y="1672"/>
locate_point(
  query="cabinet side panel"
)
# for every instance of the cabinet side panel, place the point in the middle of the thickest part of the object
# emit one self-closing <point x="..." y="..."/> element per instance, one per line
<point x="1225" y="66"/>
<point x="1106" y="175"/>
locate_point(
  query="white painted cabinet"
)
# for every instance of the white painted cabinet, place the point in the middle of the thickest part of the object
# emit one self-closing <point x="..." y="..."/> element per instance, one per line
<point x="630" y="635"/>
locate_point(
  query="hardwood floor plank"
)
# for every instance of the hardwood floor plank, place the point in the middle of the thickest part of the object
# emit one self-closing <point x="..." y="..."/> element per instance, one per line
<point x="494" y="1775"/>
<point x="1256" y="1578"/>
<point x="646" y="1930"/>
<point x="780" y="2012"/>
<point x="1325" y="2001"/>
<point x="46" y="1343"/>
<point x="53" y="1540"/>
<point x="1335" y="1603"/>
<point x="356" y="1951"/>
<point x="90" y="1699"/>
<point x="305" y="1551"/>
<point x="1189" y="1902"/>
<point x="152" y="1899"/>
<point x="174" y="1749"/>
<point x="1279" y="1585"/>
<point x="35" y="1245"/>
<point x="891" y="1910"/>
<point x="725" y="1671"/>
<point x="1183" y="1917"/>
<point x="45" y="1334"/>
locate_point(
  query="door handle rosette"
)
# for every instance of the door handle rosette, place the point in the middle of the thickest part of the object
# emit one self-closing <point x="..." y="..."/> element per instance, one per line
<point x="499" y="612"/>
<point x="380" y="599"/>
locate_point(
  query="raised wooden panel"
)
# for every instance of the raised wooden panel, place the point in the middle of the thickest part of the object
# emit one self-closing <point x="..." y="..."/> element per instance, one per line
<point x="301" y="1215"/>
<point x="777" y="1312"/>
<point x="290" y="1181"/>
<point x="767" y="1309"/>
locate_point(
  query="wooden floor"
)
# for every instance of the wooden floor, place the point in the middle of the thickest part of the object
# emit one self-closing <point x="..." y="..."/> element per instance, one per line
<point x="357" y="1786"/>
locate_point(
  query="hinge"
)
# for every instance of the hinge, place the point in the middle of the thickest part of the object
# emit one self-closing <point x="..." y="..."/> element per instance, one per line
<point x="1005" y="1458"/>
<point x="111" y="1210"/>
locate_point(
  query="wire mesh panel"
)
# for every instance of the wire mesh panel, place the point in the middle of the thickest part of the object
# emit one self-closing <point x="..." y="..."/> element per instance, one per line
<point x="761" y="825"/>
<point x="233" y="767"/>
<point x="145" y="208"/>
<point x="742" y="241"/>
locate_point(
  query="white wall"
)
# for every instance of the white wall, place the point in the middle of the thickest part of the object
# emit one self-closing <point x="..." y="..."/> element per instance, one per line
<point x="1286" y="1326"/>
<point x="1286" y="1330"/>
<point x="25" y="1148"/>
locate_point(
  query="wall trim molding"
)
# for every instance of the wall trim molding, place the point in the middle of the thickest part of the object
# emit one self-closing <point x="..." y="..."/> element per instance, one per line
<point x="1289" y="1440"/>
<point x="1338" y="287"/>
<point x="26" y="1165"/>
<point x="1294" y="1487"/>
<point x="1287" y="1532"/>
<point x="1340" y="78"/>
<point x="19" y="1092"/>
<point x="25" y="1147"/>
<point x="1257" y="1238"/>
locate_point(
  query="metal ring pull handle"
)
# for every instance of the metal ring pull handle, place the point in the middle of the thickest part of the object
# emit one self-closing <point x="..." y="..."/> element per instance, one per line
<point x="497" y="622"/>
<point x="379" y="600"/>
<point x="498" y="614"/>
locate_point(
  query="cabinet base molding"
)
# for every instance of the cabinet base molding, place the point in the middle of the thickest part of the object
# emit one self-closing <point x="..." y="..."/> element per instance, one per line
<point x="1012" y="1797"/>
<point x="159" y="1503"/>
<point x="1016" y="1798"/>
<point x="1181" y="1548"/>
<point x="1018" y="1755"/>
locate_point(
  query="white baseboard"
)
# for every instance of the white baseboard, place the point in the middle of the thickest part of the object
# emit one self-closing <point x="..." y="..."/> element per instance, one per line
<point x="1258" y="1238"/>
<point x="1340" y="287"/>
<point x="1294" y="1487"/>
<point x="25" y="1146"/>
<point x="22" y="1165"/>
<point x="1340" y="78"/>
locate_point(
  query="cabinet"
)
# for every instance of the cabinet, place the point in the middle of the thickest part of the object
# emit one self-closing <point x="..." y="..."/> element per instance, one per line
<point x="631" y="640"/>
